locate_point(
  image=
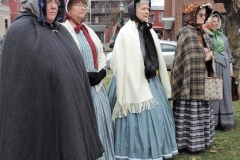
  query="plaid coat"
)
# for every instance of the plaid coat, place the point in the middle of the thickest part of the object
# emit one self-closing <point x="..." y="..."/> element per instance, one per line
<point x="189" y="66"/>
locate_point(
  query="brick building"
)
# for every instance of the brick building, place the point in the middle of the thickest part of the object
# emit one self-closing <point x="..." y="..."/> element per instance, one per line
<point x="156" y="15"/>
<point x="103" y="16"/>
<point x="106" y="13"/>
<point x="15" y="8"/>
<point x="174" y="18"/>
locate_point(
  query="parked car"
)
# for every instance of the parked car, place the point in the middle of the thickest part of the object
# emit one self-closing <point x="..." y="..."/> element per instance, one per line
<point x="108" y="59"/>
<point x="168" y="50"/>
<point x="112" y="41"/>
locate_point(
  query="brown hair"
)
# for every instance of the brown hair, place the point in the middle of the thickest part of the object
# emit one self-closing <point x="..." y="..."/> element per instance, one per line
<point x="72" y="2"/>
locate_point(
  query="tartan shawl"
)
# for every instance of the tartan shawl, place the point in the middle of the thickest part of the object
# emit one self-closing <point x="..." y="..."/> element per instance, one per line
<point x="189" y="66"/>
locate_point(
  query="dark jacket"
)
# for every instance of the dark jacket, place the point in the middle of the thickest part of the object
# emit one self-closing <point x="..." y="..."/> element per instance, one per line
<point x="46" y="109"/>
<point x="189" y="66"/>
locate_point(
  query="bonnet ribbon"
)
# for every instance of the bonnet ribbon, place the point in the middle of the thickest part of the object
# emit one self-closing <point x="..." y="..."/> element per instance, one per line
<point x="77" y="29"/>
<point x="218" y="41"/>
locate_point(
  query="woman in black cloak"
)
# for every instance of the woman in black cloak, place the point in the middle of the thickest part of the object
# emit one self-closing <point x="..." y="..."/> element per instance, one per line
<point x="46" y="109"/>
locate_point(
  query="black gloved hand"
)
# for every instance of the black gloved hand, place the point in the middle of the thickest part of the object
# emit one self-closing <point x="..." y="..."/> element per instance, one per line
<point x="92" y="76"/>
<point x="150" y="72"/>
<point x="100" y="76"/>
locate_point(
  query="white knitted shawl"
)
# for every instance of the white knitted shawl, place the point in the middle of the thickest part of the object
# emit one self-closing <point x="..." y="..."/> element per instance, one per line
<point x="133" y="92"/>
<point x="98" y="45"/>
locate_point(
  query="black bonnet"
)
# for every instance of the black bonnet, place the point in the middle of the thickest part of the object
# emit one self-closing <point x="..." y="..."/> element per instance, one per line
<point x="132" y="10"/>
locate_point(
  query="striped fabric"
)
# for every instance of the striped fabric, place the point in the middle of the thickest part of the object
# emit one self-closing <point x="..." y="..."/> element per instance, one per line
<point x="101" y="103"/>
<point x="194" y="124"/>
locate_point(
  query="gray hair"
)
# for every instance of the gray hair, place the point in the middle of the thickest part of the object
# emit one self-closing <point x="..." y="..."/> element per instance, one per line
<point x="142" y="2"/>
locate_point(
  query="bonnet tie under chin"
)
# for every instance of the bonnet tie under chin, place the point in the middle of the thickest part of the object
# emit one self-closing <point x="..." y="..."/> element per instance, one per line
<point x="77" y="29"/>
<point x="218" y="41"/>
<point x="151" y="52"/>
<point x="53" y="26"/>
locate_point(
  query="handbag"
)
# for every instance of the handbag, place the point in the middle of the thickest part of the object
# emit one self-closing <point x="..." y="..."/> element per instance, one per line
<point x="235" y="92"/>
<point x="213" y="86"/>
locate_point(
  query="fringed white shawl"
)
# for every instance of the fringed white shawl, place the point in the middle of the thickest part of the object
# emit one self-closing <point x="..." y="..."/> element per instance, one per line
<point x="133" y="92"/>
<point x="98" y="45"/>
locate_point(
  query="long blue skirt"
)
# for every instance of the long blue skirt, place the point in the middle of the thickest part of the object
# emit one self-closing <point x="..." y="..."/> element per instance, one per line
<point x="103" y="116"/>
<point x="146" y="135"/>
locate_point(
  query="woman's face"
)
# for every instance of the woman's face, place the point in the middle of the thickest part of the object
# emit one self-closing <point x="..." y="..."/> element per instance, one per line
<point x="215" y="23"/>
<point x="201" y="16"/>
<point x="51" y="10"/>
<point x="78" y="11"/>
<point x="142" y="12"/>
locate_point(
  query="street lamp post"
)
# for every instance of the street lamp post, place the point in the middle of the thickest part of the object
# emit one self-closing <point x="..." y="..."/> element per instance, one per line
<point x="90" y="10"/>
<point x="121" y="8"/>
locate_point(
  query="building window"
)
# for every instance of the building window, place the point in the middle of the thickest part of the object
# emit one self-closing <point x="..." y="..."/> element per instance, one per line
<point x="103" y="19"/>
<point x="6" y="24"/>
<point x="96" y="19"/>
<point x="160" y="16"/>
<point x="151" y="18"/>
<point x="103" y="9"/>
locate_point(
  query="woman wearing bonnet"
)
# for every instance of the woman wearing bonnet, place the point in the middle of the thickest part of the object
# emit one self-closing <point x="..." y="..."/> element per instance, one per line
<point x="46" y="108"/>
<point x="193" y="57"/>
<point x="91" y="50"/>
<point x="143" y="120"/>
<point x="223" y="110"/>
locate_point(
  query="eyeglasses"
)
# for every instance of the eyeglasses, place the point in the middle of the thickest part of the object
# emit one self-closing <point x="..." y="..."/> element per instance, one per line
<point x="80" y="5"/>
<point x="201" y="15"/>
<point x="50" y="3"/>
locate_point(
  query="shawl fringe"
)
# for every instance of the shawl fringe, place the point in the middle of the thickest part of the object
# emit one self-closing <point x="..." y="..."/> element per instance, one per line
<point x="121" y="111"/>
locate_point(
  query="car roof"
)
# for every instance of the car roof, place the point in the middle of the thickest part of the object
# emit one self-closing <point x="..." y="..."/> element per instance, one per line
<point x="168" y="42"/>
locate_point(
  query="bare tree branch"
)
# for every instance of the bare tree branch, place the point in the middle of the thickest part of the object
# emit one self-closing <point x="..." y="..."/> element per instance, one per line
<point x="230" y="5"/>
<point x="222" y="1"/>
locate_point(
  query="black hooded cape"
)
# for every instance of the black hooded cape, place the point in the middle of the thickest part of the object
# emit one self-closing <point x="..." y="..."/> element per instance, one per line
<point x="46" y="109"/>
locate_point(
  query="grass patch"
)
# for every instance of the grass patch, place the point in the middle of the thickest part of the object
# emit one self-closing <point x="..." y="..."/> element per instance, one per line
<point x="226" y="143"/>
<point x="107" y="79"/>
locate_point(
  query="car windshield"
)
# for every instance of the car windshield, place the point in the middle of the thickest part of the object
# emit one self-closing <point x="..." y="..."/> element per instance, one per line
<point x="168" y="47"/>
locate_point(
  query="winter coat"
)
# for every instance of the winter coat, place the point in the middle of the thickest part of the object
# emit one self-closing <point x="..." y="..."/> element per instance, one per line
<point x="189" y="66"/>
<point x="46" y="109"/>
